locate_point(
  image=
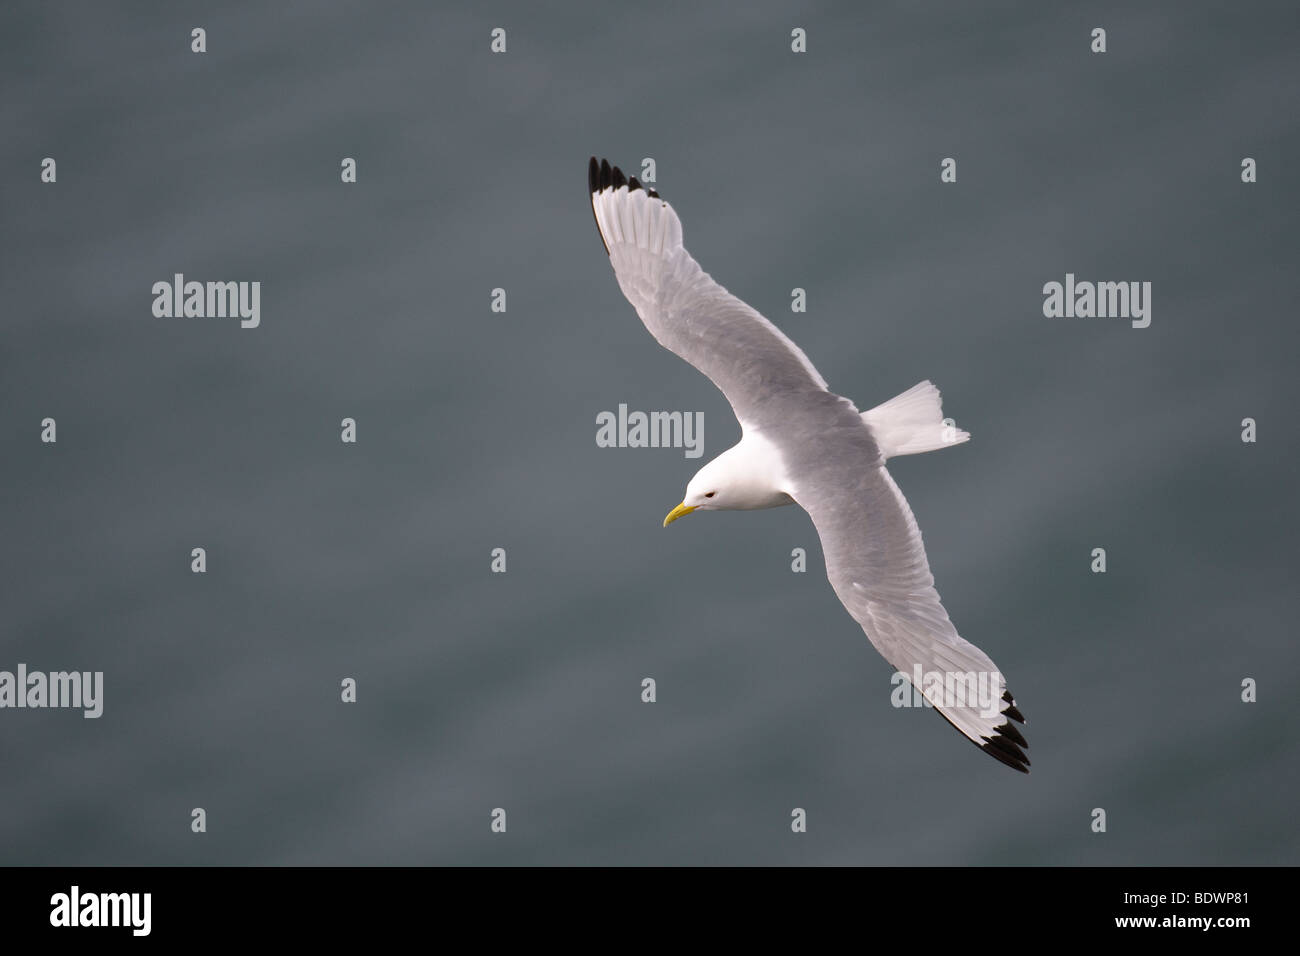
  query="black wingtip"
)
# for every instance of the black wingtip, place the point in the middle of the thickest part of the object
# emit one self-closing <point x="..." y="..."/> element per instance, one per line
<point x="1006" y="749"/>
<point x="1009" y="731"/>
<point x="1007" y="739"/>
<point x="601" y="175"/>
<point x="1004" y="746"/>
<point x="1012" y="711"/>
<point x="595" y="173"/>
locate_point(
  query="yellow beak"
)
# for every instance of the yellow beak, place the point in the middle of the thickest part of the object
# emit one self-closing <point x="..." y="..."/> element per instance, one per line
<point x="679" y="511"/>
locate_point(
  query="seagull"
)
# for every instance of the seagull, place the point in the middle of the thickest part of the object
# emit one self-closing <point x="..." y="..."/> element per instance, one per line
<point x="803" y="444"/>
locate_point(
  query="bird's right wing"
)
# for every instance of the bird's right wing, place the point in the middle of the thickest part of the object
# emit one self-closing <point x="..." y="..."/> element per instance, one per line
<point x="755" y="365"/>
<point x="877" y="565"/>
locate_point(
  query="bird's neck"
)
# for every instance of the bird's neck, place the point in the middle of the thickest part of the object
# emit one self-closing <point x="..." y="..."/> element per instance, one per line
<point x="756" y="472"/>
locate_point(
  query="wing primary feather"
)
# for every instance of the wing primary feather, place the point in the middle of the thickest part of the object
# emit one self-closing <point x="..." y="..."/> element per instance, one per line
<point x="593" y="188"/>
<point x="1012" y="711"/>
<point x="687" y="311"/>
<point x="1009" y="731"/>
<point x="643" y="220"/>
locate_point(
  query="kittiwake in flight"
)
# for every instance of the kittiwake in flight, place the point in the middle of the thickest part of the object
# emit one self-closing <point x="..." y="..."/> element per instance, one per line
<point x="801" y="443"/>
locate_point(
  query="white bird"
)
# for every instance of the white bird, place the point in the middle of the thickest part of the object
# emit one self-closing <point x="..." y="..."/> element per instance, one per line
<point x="802" y="443"/>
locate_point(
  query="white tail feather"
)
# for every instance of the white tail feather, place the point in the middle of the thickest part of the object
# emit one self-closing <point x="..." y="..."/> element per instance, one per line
<point x="913" y="422"/>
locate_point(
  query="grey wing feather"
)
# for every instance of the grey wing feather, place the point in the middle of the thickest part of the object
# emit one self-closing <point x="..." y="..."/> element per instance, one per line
<point x="876" y="563"/>
<point x="759" y="370"/>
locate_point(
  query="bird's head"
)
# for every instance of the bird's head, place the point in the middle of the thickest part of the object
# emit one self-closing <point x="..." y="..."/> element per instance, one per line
<point x="707" y="491"/>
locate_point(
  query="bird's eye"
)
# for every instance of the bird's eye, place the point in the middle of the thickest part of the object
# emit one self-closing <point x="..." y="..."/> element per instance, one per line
<point x="710" y="494"/>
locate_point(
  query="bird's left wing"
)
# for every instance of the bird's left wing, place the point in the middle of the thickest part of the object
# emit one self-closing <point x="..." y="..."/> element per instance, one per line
<point x="877" y="565"/>
<point x="756" y="366"/>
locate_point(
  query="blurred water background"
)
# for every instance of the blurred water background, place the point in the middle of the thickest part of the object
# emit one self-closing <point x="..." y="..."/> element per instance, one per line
<point x="477" y="431"/>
